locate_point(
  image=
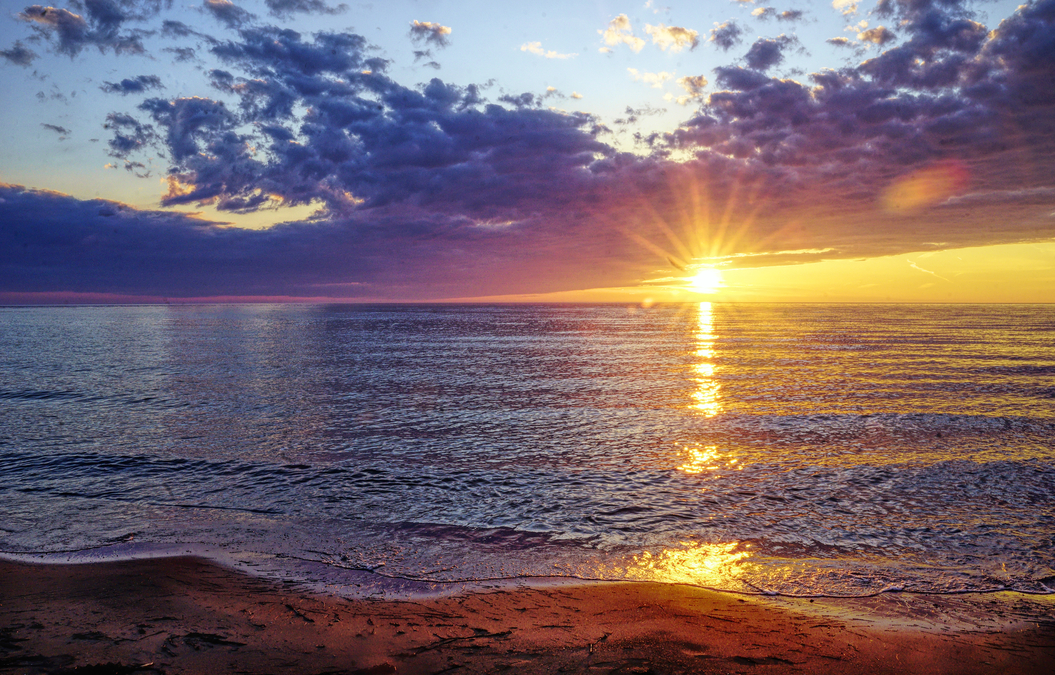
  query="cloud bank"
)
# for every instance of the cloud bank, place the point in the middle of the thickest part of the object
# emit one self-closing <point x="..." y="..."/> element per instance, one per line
<point x="432" y="191"/>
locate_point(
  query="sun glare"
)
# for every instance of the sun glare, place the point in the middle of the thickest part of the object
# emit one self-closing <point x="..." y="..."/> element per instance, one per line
<point x="707" y="280"/>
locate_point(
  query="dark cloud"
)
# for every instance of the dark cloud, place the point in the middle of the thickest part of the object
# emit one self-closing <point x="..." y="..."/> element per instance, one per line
<point x="128" y="135"/>
<point x="364" y="142"/>
<point x="228" y="13"/>
<point x="420" y="54"/>
<point x="102" y="25"/>
<point x="767" y="52"/>
<point x="190" y="123"/>
<point x="726" y="35"/>
<point x="287" y="8"/>
<point x="940" y="51"/>
<point x="19" y="54"/>
<point x="975" y="103"/>
<point x="1017" y="66"/>
<point x="525" y="100"/>
<point x="62" y="131"/>
<point x="840" y="42"/>
<point x="134" y="85"/>
<point x="178" y="29"/>
<point x="55" y="243"/>
<point x="181" y="53"/>
<point x="430" y="32"/>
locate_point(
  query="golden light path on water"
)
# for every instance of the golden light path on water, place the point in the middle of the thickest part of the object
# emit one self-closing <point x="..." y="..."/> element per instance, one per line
<point x="707" y="391"/>
<point x="715" y="565"/>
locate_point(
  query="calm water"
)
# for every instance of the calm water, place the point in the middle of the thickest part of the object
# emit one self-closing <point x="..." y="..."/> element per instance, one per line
<point x="762" y="448"/>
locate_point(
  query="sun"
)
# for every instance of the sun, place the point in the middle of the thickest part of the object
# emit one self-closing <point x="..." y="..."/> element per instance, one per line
<point x="707" y="280"/>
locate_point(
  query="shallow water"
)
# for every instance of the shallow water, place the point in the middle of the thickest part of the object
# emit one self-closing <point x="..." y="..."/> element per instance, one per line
<point x="794" y="449"/>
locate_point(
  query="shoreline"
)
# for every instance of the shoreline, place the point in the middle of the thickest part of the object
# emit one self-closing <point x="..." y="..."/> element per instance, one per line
<point x="190" y="615"/>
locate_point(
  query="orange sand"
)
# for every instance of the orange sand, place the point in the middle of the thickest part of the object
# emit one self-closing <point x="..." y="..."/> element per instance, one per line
<point x="186" y="615"/>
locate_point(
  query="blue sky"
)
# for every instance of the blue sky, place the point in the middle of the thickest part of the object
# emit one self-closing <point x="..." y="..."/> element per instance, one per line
<point x="427" y="150"/>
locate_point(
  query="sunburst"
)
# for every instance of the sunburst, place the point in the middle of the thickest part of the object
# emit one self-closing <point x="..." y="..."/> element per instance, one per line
<point x="707" y="280"/>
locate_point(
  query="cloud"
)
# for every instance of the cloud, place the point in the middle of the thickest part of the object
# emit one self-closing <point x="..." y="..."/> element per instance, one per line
<point x="790" y="15"/>
<point x="846" y="7"/>
<point x="943" y="98"/>
<point x="536" y="48"/>
<point x="62" y="131"/>
<point x="840" y="42"/>
<point x="19" y="54"/>
<point x="766" y="53"/>
<point x="726" y="35"/>
<point x="181" y="53"/>
<point x="70" y="33"/>
<point x="673" y="38"/>
<point x="1044" y="195"/>
<point x="364" y="141"/>
<point x="694" y="87"/>
<point x="431" y="33"/>
<point x="764" y="13"/>
<point x="525" y="100"/>
<point x="940" y="51"/>
<point x="435" y="191"/>
<point x="879" y="35"/>
<point x="178" y="29"/>
<point x="135" y="85"/>
<point x="619" y="32"/>
<point x="654" y="80"/>
<point x="287" y="8"/>
<point x="228" y="13"/>
<point x="128" y="135"/>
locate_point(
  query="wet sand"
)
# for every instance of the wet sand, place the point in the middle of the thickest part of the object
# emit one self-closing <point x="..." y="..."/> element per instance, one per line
<point x="187" y="615"/>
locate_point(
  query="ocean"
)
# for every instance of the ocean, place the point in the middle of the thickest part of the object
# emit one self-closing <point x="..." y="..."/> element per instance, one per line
<point x="784" y="449"/>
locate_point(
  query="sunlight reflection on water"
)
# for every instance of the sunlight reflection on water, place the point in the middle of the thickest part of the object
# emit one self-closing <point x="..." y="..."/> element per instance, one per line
<point x="707" y="459"/>
<point x="706" y="393"/>
<point x="711" y="565"/>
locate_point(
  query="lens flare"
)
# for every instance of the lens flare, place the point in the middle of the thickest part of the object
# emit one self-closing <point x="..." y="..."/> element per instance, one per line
<point x="925" y="187"/>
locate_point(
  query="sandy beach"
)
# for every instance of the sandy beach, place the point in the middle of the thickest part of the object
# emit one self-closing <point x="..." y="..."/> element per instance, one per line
<point x="187" y="615"/>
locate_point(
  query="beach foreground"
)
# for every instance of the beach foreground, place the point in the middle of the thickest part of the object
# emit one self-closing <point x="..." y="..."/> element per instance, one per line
<point x="187" y="615"/>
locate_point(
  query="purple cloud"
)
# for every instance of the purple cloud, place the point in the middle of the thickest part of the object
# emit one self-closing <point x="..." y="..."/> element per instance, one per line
<point x="101" y="25"/>
<point x="19" y="54"/>
<point x="726" y="35"/>
<point x="766" y="53"/>
<point x="228" y="13"/>
<point x="133" y="85"/>
<point x="287" y="8"/>
<point x="128" y="135"/>
<point x="62" y="131"/>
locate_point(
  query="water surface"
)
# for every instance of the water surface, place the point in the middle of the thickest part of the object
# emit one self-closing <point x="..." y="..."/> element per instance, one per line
<point x="829" y="449"/>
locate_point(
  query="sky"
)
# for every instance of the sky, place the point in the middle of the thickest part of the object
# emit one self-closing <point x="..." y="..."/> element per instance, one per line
<point x="646" y="151"/>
